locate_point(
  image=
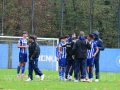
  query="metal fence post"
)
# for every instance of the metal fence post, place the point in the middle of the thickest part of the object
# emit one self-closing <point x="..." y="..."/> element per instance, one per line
<point x="61" y="21"/>
<point x="2" y="33"/>
<point x="118" y="32"/>
<point x="90" y="20"/>
<point x="32" y="18"/>
<point x="9" y="55"/>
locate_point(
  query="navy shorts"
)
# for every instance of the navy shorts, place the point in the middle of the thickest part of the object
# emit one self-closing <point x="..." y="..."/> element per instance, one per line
<point x="62" y="62"/>
<point x="22" y="57"/>
<point x="90" y="62"/>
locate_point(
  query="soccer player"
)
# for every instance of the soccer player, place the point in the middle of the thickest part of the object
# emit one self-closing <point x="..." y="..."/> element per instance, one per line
<point x="90" y="57"/>
<point x="58" y="58"/>
<point x="69" y="59"/>
<point x="62" y="52"/>
<point x="22" y="44"/>
<point x="79" y="53"/>
<point x="100" y="45"/>
<point x="34" y="52"/>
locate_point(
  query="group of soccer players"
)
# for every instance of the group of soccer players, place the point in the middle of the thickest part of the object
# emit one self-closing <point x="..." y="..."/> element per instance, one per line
<point x="79" y="55"/>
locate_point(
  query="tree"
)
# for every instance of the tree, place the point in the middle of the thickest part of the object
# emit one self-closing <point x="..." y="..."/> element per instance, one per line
<point x="76" y="18"/>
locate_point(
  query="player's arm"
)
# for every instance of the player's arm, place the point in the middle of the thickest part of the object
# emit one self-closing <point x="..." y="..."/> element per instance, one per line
<point x="59" y="48"/>
<point x="96" y="50"/>
<point x="74" y="50"/>
<point x="57" y="59"/>
<point x="64" y="45"/>
<point x="19" y="46"/>
<point x="57" y="54"/>
<point x="100" y="45"/>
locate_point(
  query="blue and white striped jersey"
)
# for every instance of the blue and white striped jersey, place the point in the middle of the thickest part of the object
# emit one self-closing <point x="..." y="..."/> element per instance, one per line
<point x="57" y="53"/>
<point x="63" y="49"/>
<point x="91" y="52"/>
<point x="23" y="42"/>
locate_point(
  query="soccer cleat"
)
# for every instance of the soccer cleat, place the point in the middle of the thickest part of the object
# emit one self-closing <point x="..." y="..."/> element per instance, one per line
<point x="42" y="77"/>
<point x="82" y="80"/>
<point x="18" y="76"/>
<point x="70" y="78"/>
<point x="65" y="79"/>
<point x="22" y="76"/>
<point x="87" y="80"/>
<point x="90" y="80"/>
<point x="37" y="76"/>
<point x="97" y="80"/>
<point x="28" y="80"/>
<point x="62" y="78"/>
<point x="75" y="80"/>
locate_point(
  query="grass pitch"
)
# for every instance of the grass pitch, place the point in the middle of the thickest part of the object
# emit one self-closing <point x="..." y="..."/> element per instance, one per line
<point x="8" y="81"/>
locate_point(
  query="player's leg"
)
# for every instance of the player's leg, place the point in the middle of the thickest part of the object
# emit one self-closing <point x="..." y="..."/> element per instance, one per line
<point x="63" y="67"/>
<point x="91" y="69"/>
<point x="63" y="73"/>
<point x="87" y="70"/>
<point x="80" y="72"/>
<point x="70" y="73"/>
<point x="67" y="69"/>
<point x="59" y="68"/>
<point x="30" y="70"/>
<point x="90" y="73"/>
<point x="77" y="69"/>
<point x="19" y="65"/>
<point x="83" y="66"/>
<point x="87" y="73"/>
<point x="18" y="69"/>
<point x="36" y="74"/>
<point x="72" y="69"/>
<point x="23" y="69"/>
<point x="96" y="62"/>
<point x="24" y="64"/>
<point x="36" y="69"/>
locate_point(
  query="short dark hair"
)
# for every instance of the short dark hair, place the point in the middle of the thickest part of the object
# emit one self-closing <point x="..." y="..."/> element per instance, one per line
<point x="62" y="37"/>
<point x="32" y="37"/>
<point x="91" y="36"/>
<point x="24" y="32"/>
<point x="72" y="34"/>
<point x="66" y="36"/>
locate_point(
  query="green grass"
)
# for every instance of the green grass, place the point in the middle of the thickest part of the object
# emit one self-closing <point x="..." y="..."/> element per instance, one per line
<point x="8" y="81"/>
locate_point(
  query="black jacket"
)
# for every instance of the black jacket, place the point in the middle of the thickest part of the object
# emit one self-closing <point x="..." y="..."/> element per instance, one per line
<point x="34" y="50"/>
<point x="69" y="46"/>
<point x="99" y="43"/>
<point x="80" y="48"/>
